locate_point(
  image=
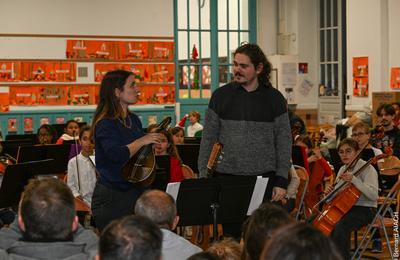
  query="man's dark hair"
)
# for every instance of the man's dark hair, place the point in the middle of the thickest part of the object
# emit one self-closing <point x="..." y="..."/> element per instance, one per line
<point x="47" y="210"/>
<point x="257" y="56"/>
<point x="299" y="241"/>
<point x="158" y="206"/>
<point x="130" y="238"/>
<point x="388" y="108"/>
<point x="259" y="227"/>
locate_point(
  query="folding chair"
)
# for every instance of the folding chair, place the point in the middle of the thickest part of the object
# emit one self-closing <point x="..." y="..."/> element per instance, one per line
<point x="380" y="221"/>
<point x="304" y="179"/>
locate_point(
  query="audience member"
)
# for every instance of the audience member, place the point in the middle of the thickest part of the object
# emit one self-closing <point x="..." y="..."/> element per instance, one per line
<point x="46" y="134"/>
<point x="160" y="207"/>
<point x="260" y="225"/>
<point x="130" y="238"/>
<point x="71" y="132"/>
<point x="226" y="249"/>
<point x="298" y="242"/>
<point x="204" y="256"/>
<point x="47" y="227"/>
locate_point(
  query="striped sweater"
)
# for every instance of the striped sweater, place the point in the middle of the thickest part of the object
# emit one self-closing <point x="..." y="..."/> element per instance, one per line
<point x="254" y="130"/>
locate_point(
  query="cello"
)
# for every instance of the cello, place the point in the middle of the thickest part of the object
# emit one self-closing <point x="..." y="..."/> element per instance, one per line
<point x="341" y="199"/>
<point x="140" y="167"/>
<point x="318" y="168"/>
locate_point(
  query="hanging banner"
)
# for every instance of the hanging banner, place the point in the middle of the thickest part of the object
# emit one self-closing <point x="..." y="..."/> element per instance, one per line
<point x="395" y="78"/>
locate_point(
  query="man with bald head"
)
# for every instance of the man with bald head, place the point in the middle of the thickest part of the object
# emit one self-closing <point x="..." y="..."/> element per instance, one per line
<point x="160" y="208"/>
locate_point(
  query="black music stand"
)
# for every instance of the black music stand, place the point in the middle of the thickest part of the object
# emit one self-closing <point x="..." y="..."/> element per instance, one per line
<point x="11" y="147"/>
<point x="58" y="152"/>
<point x="191" y="140"/>
<point x="189" y="154"/>
<point x="31" y="137"/>
<point x="215" y="200"/>
<point x="17" y="176"/>
<point x="162" y="172"/>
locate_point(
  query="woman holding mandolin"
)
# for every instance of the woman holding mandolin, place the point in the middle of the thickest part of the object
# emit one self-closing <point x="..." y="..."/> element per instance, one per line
<point x="118" y="136"/>
<point x="365" y="181"/>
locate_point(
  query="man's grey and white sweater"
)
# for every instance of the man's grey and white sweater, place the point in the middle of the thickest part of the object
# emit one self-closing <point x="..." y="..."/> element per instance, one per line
<point x="254" y="130"/>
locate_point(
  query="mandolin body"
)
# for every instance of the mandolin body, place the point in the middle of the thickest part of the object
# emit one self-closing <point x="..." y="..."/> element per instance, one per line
<point x="140" y="167"/>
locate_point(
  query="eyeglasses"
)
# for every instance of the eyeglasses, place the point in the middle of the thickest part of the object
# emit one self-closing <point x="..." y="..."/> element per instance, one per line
<point x="358" y="134"/>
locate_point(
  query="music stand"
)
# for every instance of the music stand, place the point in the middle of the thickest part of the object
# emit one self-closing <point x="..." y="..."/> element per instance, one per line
<point x="215" y="200"/>
<point x="11" y="147"/>
<point x="189" y="154"/>
<point x="162" y="172"/>
<point x="191" y="140"/>
<point x="17" y="176"/>
<point x="58" y="152"/>
<point x="31" y="137"/>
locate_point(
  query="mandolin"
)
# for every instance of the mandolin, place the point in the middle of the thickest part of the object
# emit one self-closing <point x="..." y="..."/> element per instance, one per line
<point x="213" y="159"/>
<point x="140" y="167"/>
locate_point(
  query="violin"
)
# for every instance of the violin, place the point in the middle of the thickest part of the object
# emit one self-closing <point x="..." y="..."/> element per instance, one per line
<point x="342" y="199"/>
<point x="140" y="167"/>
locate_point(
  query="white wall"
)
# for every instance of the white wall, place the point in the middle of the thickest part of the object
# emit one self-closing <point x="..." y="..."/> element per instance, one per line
<point x="296" y="21"/>
<point x="373" y="31"/>
<point x="88" y="17"/>
<point x="394" y="34"/>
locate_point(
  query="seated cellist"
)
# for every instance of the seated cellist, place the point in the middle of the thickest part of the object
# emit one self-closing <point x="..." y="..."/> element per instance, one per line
<point x="319" y="169"/>
<point x="363" y="211"/>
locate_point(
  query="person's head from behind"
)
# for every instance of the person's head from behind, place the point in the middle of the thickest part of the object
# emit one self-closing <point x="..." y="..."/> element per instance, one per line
<point x="117" y="91"/>
<point x="46" y="134"/>
<point x="72" y="128"/>
<point x="347" y="150"/>
<point x="204" y="256"/>
<point x="159" y="207"/>
<point x="386" y="114"/>
<point x="86" y="141"/>
<point x="47" y="211"/>
<point x="250" y="64"/>
<point x="178" y="135"/>
<point x="297" y="242"/>
<point x="361" y="134"/>
<point x="260" y="226"/>
<point x="130" y="238"/>
<point x="194" y="117"/>
<point x="226" y="249"/>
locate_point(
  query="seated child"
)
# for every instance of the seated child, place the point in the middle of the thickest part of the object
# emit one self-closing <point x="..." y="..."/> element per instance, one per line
<point x="195" y="126"/>
<point x="46" y="134"/>
<point x="167" y="147"/>
<point x="71" y="132"/>
<point x="177" y="135"/>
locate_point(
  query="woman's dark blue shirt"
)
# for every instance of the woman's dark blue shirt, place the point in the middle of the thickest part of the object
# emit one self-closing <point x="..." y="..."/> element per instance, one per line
<point x="111" y="138"/>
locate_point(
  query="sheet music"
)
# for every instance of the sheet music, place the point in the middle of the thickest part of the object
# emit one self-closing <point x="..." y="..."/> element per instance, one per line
<point x="173" y="189"/>
<point x="258" y="194"/>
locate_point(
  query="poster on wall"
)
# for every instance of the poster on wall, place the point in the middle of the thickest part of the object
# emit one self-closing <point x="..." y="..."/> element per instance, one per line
<point x="395" y="78"/>
<point x="360" y="76"/>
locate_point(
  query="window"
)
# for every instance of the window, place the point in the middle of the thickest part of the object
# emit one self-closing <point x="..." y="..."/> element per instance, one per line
<point x="330" y="39"/>
<point x="206" y="34"/>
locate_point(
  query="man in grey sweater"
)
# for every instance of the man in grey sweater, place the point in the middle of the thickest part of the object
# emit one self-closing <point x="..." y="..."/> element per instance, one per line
<point x="250" y="118"/>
